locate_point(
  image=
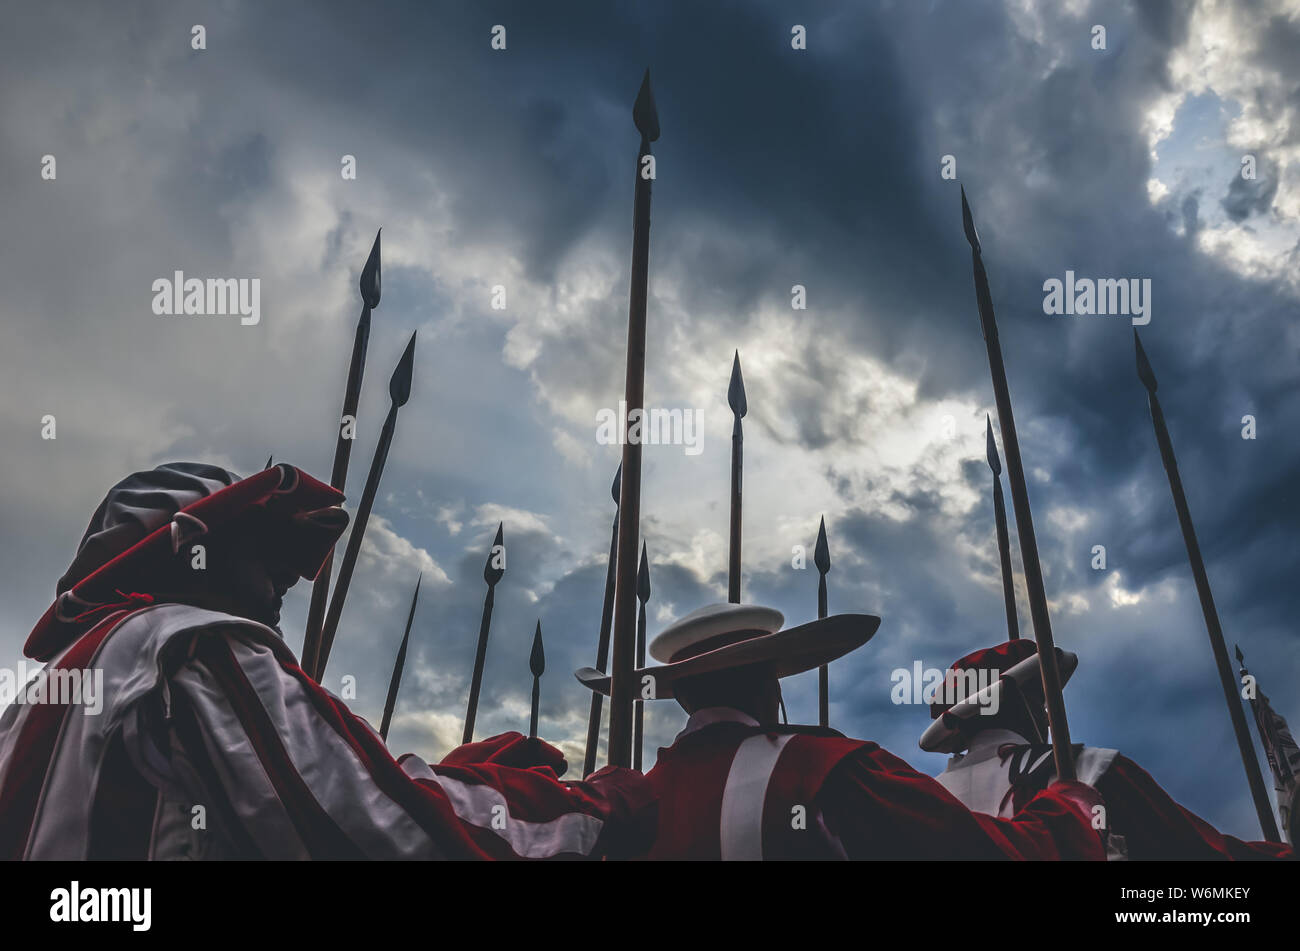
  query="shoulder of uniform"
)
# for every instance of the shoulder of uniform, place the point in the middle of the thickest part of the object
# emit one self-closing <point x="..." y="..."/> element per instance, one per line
<point x="155" y="630"/>
<point x="804" y="730"/>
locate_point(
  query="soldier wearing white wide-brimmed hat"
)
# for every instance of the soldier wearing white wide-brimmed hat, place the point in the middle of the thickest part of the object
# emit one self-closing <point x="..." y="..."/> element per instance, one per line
<point x="735" y="784"/>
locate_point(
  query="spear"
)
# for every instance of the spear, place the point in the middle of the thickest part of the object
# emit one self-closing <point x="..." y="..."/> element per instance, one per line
<point x="396" y="680"/>
<point x="602" y="646"/>
<point x="1004" y="540"/>
<point x="1053" y="697"/>
<point x="623" y="687"/>
<point x="1280" y="751"/>
<point x="822" y="559"/>
<point x="268" y="461"/>
<point x="537" y="664"/>
<point x="370" y="289"/>
<point x="1211" y="614"/>
<point x="492" y="572"/>
<point x="642" y="595"/>
<point x="736" y="400"/>
<point x="399" y="391"/>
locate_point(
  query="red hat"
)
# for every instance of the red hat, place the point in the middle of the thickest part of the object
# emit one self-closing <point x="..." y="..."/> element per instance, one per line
<point x="149" y="516"/>
<point x="1016" y="661"/>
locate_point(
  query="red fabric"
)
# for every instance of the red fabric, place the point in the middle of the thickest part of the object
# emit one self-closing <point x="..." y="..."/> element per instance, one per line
<point x="877" y="805"/>
<point x="510" y="749"/>
<point x="130" y="569"/>
<point x="690" y="777"/>
<point x="35" y="747"/>
<point x="533" y="795"/>
<point x="881" y="808"/>
<point x="620" y="798"/>
<point x="1154" y="826"/>
<point x="799" y="777"/>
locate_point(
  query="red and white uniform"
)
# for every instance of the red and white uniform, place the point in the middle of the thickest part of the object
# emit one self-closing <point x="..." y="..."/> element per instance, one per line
<point x="729" y="788"/>
<point x="203" y="709"/>
<point x="1001" y="771"/>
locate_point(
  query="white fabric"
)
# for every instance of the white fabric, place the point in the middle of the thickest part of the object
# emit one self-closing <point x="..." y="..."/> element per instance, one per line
<point x="486" y="808"/>
<point x="711" y="621"/>
<point x="330" y="769"/>
<point x="745" y="796"/>
<point x="711" y="715"/>
<point x="981" y="780"/>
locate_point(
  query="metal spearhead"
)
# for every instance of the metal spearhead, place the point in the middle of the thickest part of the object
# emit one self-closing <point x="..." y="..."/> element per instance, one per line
<point x="736" y="389"/>
<point x="968" y="224"/>
<point x="991" y="449"/>
<point x="822" y="553"/>
<point x="1145" y="373"/>
<point x="491" y="572"/>
<point x="644" y="113"/>
<point x="617" y="488"/>
<point x="371" y="280"/>
<point x="268" y="462"/>
<point x="1241" y="658"/>
<point x="643" y="578"/>
<point x="399" y="384"/>
<point x="537" y="659"/>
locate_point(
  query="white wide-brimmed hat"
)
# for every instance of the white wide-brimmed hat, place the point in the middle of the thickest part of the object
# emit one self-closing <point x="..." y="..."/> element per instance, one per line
<point x="724" y="636"/>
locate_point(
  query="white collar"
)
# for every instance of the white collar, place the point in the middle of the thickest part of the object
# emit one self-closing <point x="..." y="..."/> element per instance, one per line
<point x="984" y="745"/>
<point x="711" y="715"/>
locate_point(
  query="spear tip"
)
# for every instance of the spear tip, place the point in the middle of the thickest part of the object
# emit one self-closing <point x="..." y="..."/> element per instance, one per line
<point x="537" y="659"/>
<point x="494" y="569"/>
<point x="268" y="461"/>
<point x="968" y="222"/>
<point x="370" y="275"/>
<point x="736" y="389"/>
<point x="1241" y="658"/>
<point x="1145" y="373"/>
<point x="644" y="113"/>
<point x="991" y="448"/>
<point x="399" y="385"/>
<point x="822" y="553"/>
<point x="643" y="578"/>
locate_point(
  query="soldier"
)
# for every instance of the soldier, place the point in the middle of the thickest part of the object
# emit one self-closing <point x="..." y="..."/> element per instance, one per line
<point x="211" y="741"/>
<point x="736" y="785"/>
<point x="1001" y="760"/>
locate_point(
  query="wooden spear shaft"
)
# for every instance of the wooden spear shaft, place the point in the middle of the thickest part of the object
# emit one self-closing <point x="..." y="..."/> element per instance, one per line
<point x="602" y="644"/>
<point x="371" y="285"/>
<point x="1004" y="556"/>
<point x="1254" y="777"/>
<point x="492" y="573"/>
<point x="395" y="682"/>
<point x="822" y="559"/>
<point x="622" y="684"/>
<point x="399" y="391"/>
<point x="480" y="656"/>
<point x="736" y="400"/>
<point x="1048" y="662"/>
<point x="1004" y="539"/>
<point x="642" y="596"/>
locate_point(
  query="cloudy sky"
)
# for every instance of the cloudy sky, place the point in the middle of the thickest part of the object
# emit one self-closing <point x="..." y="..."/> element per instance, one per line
<point x="819" y="167"/>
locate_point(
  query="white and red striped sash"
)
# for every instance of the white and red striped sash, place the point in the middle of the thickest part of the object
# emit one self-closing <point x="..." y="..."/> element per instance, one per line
<point x="294" y="773"/>
<point x="737" y="792"/>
